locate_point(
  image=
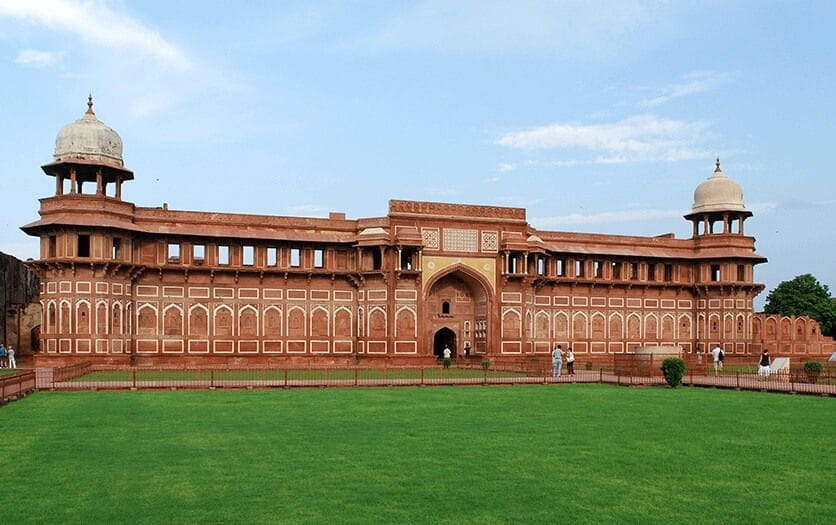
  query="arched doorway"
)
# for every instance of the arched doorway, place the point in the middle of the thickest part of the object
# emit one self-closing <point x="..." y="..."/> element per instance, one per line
<point x="444" y="338"/>
<point x="457" y="311"/>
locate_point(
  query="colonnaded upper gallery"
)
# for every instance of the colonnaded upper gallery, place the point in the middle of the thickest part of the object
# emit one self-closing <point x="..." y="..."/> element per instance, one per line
<point x="122" y="282"/>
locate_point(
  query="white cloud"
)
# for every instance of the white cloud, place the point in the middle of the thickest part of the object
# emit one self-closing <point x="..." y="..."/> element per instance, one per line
<point x="96" y="23"/>
<point x="505" y="167"/>
<point x="307" y="210"/>
<point x="35" y="58"/>
<point x="690" y="84"/>
<point x="566" y="28"/>
<point x="606" y="217"/>
<point x="637" y="138"/>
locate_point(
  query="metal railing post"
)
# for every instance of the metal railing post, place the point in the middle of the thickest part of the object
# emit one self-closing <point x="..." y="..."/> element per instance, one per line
<point x="355" y="377"/>
<point x="285" y="377"/>
<point x="212" y="378"/>
<point x="133" y="377"/>
<point x="738" y="379"/>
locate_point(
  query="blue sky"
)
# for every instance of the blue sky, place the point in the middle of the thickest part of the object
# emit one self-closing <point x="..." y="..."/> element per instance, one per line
<point x="595" y="116"/>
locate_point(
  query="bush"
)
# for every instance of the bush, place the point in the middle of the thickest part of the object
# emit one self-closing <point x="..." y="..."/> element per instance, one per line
<point x="447" y="362"/>
<point x="813" y="370"/>
<point x="486" y="363"/>
<point x="813" y="366"/>
<point x="673" y="368"/>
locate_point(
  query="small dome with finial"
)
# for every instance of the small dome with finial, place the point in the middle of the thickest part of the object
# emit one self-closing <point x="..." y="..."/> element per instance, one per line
<point x="718" y="193"/>
<point x="89" y="141"/>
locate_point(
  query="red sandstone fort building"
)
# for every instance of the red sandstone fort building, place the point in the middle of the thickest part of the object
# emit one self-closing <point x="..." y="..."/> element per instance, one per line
<point x="127" y="284"/>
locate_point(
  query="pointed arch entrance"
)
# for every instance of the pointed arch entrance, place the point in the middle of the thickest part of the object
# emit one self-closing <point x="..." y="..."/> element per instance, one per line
<point x="457" y="312"/>
<point x="444" y="338"/>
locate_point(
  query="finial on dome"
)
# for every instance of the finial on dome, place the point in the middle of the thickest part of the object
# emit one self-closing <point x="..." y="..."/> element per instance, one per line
<point x="90" y="104"/>
<point x="717" y="165"/>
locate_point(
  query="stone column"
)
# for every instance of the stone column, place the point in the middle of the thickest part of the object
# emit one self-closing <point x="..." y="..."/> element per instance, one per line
<point x="59" y="185"/>
<point x="119" y="188"/>
<point x="73" y="181"/>
<point x="99" y="182"/>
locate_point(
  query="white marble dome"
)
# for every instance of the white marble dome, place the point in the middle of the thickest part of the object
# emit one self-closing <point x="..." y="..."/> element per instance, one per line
<point x="89" y="140"/>
<point x="718" y="193"/>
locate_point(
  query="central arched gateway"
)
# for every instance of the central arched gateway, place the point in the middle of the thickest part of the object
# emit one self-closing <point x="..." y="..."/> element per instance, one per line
<point x="444" y="338"/>
<point x="457" y="311"/>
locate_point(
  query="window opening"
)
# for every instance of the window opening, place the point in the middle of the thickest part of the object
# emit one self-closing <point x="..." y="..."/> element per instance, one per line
<point x="249" y="255"/>
<point x="173" y="252"/>
<point x="83" y="246"/>
<point x="199" y="253"/>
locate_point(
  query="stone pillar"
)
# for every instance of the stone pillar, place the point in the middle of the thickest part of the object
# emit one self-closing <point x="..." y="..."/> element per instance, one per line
<point x="420" y="259"/>
<point x="696" y="228"/>
<point x="740" y="230"/>
<point x="400" y="257"/>
<point x="119" y="188"/>
<point x="525" y="263"/>
<point x="73" y="181"/>
<point x="99" y="182"/>
<point x="726" y="225"/>
<point x="59" y="185"/>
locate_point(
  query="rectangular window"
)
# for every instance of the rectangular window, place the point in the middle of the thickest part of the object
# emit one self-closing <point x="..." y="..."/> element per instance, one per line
<point x="116" y="249"/>
<point x="715" y="272"/>
<point x="223" y="254"/>
<point x="83" y="246"/>
<point x="406" y="259"/>
<point x="541" y="266"/>
<point x="561" y="267"/>
<point x="377" y="259"/>
<point x="319" y="258"/>
<point x="272" y="256"/>
<point x="173" y="252"/>
<point x="249" y="255"/>
<point x="651" y="272"/>
<point x="634" y="271"/>
<point x="512" y="264"/>
<point x="741" y="272"/>
<point x="616" y="270"/>
<point x="295" y="257"/>
<point x="598" y="269"/>
<point x="198" y="253"/>
<point x="668" y="272"/>
<point x="52" y="248"/>
<point x="579" y="270"/>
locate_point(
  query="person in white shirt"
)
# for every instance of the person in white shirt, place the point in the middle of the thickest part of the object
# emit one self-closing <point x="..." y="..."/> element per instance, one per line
<point x="717" y="356"/>
<point x="11" y="352"/>
<point x="570" y="361"/>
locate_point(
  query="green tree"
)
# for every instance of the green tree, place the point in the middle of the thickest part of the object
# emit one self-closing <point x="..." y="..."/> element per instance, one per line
<point x="804" y="295"/>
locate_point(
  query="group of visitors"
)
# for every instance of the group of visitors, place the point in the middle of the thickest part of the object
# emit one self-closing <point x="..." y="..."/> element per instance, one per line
<point x="718" y="355"/>
<point x="7" y="357"/>
<point x="557" y="361"/>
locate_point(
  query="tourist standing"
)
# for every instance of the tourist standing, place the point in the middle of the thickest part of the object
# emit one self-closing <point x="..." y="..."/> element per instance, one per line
<point x="2" y="356"/>
<point x="557" y="360"/>
<point x="570" y="361"/>
<point x="763" y="365"/>
<point x="11" y="352"/>
<point x="717" y="356"/>
<point x="446" y="352"/>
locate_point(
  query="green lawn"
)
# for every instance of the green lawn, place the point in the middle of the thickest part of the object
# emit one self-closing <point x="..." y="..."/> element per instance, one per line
<point x="292" y="374"/>
<point x="9" y="371"/>
<point x="524" y="454"/>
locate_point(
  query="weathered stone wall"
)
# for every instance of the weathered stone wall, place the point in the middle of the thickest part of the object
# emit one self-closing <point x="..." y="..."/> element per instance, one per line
<point x="21" y="312"/>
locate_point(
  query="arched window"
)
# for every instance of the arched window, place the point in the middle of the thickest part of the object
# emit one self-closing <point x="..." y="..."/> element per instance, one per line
<point x="445" y="308"/>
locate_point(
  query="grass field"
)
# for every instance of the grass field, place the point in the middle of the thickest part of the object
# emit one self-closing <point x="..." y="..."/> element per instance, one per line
<point x="292" y="374"/>
<point x="528" y="454"/>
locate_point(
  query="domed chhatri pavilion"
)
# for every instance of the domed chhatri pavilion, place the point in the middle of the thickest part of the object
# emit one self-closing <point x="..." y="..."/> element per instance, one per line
<point x="127" y="284"/>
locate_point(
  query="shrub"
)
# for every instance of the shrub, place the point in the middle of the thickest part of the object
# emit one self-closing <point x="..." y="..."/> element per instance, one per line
<point x="673" y="368"/>
<point x="813" y="369"/>
<point x="486" y="363"/>
<point x="813" y="366"/>
<point x="447" y="362"/>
